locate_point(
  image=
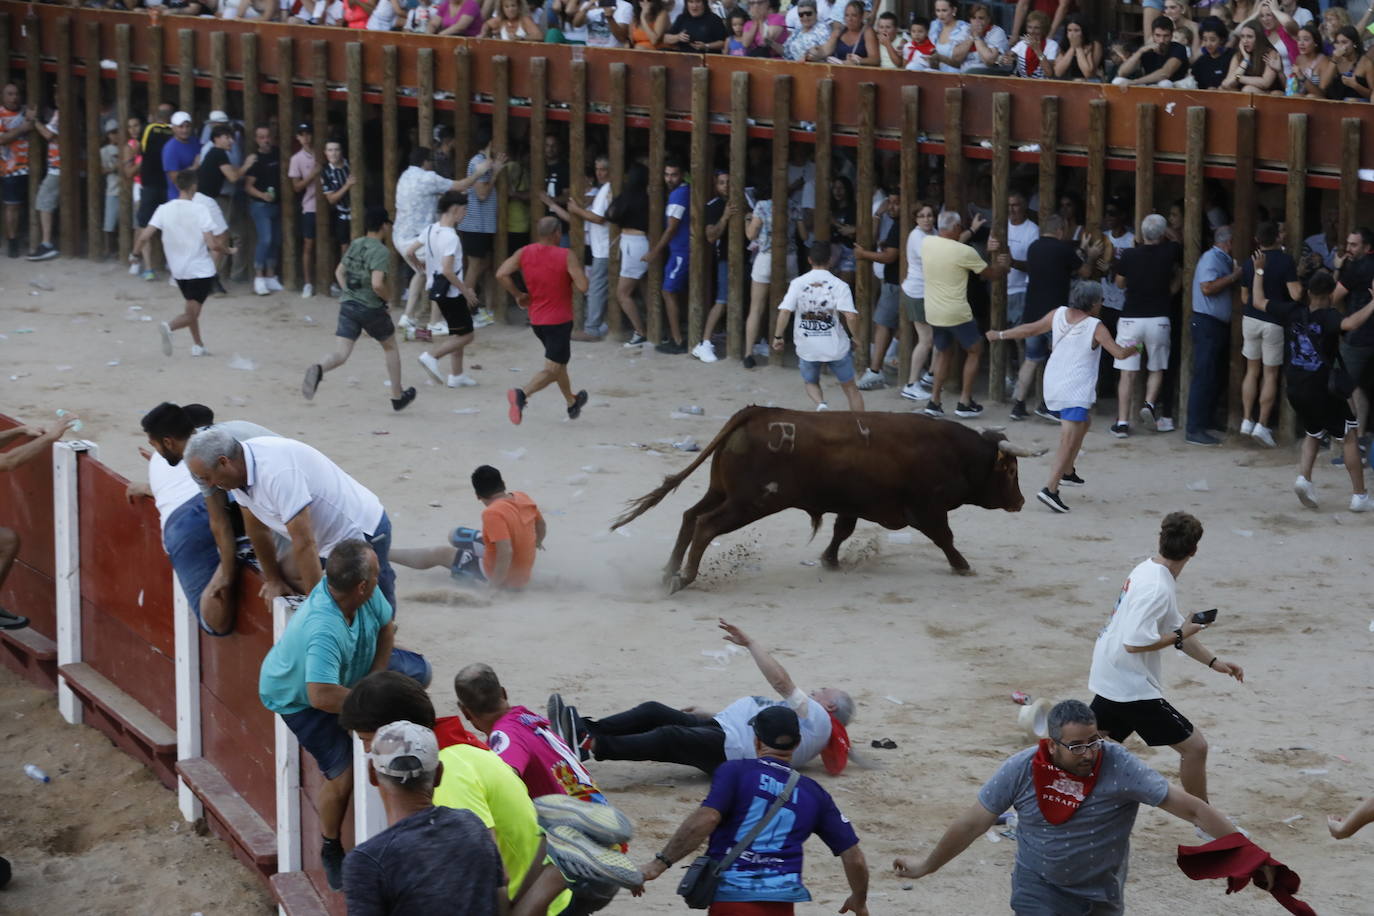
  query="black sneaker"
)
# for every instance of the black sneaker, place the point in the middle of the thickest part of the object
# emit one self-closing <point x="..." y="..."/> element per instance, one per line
<point x="1051" y="500"/>
<point x="43" y="252"/>
<point x="575" y="408"/>
<point x="971" y="409"/>
<point x="933" y="409"/>
<point x="636" y="339"/>
<point x="1148" y="413"/>
<point x="312" y="381"/>
<point x="749" y="361"/>
<point x="332" y="859"/>
<point x="1071" y="479"/>
<point x="556" y="711"/>
<point x="1044" y="413"/>
<point x="1121" y="430"/>
<point x="10" y="621"/>
<point x="1018" y="411"/>
<point x="671" y="347"/>
<point x="404" y="400"/>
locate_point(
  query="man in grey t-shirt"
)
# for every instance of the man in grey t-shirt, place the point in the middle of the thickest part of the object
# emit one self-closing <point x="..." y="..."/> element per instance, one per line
<point x="1074" y="818"/>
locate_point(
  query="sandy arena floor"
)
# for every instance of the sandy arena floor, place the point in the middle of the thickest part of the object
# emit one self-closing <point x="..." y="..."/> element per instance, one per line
<point x="930" y="657"/>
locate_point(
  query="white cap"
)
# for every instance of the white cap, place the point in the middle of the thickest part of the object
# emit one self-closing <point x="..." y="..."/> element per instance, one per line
<point x="403" y="750"/>
<point x="218" y="117"/>
<point x="180" y="118"/>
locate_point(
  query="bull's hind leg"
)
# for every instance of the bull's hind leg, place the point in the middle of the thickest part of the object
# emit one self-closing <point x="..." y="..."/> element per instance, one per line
<point x="936" y="527"/>
<point x="723" y="519"/>
<point x="711" y="500"/>
<point x="844" y="527"/>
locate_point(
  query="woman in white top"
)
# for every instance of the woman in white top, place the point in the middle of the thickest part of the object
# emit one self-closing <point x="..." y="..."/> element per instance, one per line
<point x="384" y="15"/>
<point x="1070" y="376"/>
<point x="914" y="298"/>
<point x="1033" y="56"/>
<point x="513" y="22"/>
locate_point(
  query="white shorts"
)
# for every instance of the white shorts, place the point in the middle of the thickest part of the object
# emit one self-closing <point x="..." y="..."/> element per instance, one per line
<point x="1154" y="333"/>
<point x="762" y="271"/>
<point x="1262" y="340"/>
<point x="216" y="214"/>
<point x="403" y="245"/>
<point x="633" y="248"/>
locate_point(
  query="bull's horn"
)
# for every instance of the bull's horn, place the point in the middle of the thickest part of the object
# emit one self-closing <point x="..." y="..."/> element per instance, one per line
<point x="992" y="429"/>
<point x="1020" y="451"/>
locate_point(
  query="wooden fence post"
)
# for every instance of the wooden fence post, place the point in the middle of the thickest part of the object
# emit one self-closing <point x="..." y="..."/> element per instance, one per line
<point x="1294" y="199"/>
<point x="653" y="280"/>
<point x="737" y="305"/>
<point x="1195" y="209"/>
<point x="357" y="146"/>
<point x="391" y="166"/>
<point x="186" y="71"/>
<point x="286" y="135"/>
<point x="68" y="179"/>
<point x="825" y="140"/>
<point x="186" y="649"/>
<point x="911" y="96"/>
<point x="1096" y="178"/>
<point x="424" y="69"/>
<point x="500" y="143"/>
<point x="123" y="90"/>
<point x="577" y="189"/>
<point x="1242" y="237"/>
<point x="324" y="235"/>
<point x="38" y="162"/>
<point x="1144" y="163"/>
<point x="863" y="225"/>
<point x="156" y="67"/>
<point x="703" y="180"/>
<point x="462" y="104"/>
<point x="954" y="152"/>
<point x="1350" y="177"/>
<point x="219" y="56"/>
<point x="95" y="140"/>
<point x="252" y="86"/>
<point x="539" y="119"/>
<point x="6" y="25"/>
<point x="615" y="316"/>
<point x="1049" y="155"/>
<point x="998" y="360"/>
<point x="777" y="286"/>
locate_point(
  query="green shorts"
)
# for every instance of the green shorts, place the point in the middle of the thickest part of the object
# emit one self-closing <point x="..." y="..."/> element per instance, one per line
<point x="915" y="308"/>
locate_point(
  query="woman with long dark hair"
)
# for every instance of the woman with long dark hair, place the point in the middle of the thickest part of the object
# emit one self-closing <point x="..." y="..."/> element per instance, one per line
<point x="630" y="211"/>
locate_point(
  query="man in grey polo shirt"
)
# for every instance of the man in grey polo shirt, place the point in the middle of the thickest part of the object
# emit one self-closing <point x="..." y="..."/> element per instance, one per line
<point x="1211" y="330"/>
<point x="1076" y="797"/>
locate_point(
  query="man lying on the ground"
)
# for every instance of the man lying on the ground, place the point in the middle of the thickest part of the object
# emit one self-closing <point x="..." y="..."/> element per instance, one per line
<point x="40" y="443"/>
<point x="656" y="731"/>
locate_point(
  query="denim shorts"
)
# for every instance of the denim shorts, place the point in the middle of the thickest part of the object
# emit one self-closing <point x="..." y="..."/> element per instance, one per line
<point x="190" y="543"/>
<point x="319" y="732"/>
<point x="966" y="334"/>
<point x="1038" y="347"/>
<point x="889" y="299"/>
<point x="842" y="369"/>
<point x="14" y="189"/>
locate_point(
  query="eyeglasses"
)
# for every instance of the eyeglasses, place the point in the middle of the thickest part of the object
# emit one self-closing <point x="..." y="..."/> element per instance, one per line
<point x="1080" y="750"/>
<point x="806" y="13"/>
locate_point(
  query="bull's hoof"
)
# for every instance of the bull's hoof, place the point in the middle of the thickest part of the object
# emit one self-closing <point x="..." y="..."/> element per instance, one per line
<point x="964" y="571"/>
<point x="831" y="563"/>
<point x="675" y="584"/>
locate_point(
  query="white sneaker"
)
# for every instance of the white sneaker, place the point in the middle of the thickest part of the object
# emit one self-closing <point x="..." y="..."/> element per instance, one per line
<point x="274" y="285"/>
<point x="1360" y="502"/>
<point x="439" y="327"/>
<point x="870" y="380"/>
<point x="135" y="268"/>
<point x="171" y="281"/>
<point x="166" y="330"/>
<point x="915" y="392"/>
<point x="1263" y="436"/>
<point x="431" y="365"/>
<point x="199" y="351"/>
<point x="822" y="406"/>
<point x="307" y="291"/>
<point x="405" y="323"/>
<point x="483" y="318"/>
<point x="260" y="286"/>
<point x="1247" y="427"/>
<point x="1307" y="493"/>
<point x="1165" y="425"/>
<point x="705" y="352"/>
<point x="761" y="349"/>
<point x="462" y="381"/>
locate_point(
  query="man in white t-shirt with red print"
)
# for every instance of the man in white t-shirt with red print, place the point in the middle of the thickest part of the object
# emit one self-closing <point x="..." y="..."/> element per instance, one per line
<point x="1125" y="674"/>
<point x="817" y="299"/>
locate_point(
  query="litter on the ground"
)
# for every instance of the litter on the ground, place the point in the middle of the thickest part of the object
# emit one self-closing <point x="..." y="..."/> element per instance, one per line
<point x="687" y="445"/>
<point x="245" y="364"/>
<point x="515" y="454"/>
<point x="467" y="410"/>
<point x="1291" y="819"/>
<point x="1314" y="771"/>
<point x="1199" y="486"/>
<point x="892" y="699"/>
<point x="1242" y="532"/>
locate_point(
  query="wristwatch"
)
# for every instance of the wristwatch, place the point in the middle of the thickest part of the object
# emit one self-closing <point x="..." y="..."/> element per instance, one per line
<point x="667" y="862"/>
<point x="1178" y="638"/>
<point x="1259" y="272"/>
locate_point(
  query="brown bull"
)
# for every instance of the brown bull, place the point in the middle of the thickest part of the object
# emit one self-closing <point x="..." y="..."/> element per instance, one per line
<point x="896" y="469"/>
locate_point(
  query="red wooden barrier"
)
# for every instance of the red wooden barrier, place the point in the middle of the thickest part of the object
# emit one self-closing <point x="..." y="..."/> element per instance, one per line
<point x="26" y="508"/>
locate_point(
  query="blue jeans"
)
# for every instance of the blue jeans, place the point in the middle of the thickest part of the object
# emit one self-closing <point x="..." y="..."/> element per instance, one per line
<point x="381" y="545"/>
<point x="598" y="290"/>
<point x="1211" y="337"/>
<point x="267" y="222"/>
<point x="191" y="546"/>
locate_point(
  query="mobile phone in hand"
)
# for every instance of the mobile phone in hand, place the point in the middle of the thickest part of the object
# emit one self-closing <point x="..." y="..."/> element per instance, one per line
<point x="1205" y="617"/>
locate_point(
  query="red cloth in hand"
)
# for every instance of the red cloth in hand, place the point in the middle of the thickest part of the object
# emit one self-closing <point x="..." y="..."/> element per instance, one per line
<point x="1239" y="861"/>
<point x="449" y="730"/>
<point x="835" y="754"/>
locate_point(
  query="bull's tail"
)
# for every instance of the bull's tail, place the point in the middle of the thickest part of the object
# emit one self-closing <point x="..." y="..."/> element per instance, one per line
<point x="638" y="507"/>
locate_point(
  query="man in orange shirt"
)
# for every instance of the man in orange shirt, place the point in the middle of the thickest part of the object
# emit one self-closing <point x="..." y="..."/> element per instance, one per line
<point x="16" y="122"/>
<point x="501" y="555"/>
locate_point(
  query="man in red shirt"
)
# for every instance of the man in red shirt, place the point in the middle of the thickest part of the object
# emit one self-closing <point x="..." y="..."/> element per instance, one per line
<point x="550" y="273"/>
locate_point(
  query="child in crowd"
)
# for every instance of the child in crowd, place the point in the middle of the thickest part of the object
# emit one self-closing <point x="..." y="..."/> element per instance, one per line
<point x="735" y="43"/>
<point x="891" y="42"/>
<point x="422" y="17"/>
<point x="109" y="166"/>
<point x="919" y="47"/>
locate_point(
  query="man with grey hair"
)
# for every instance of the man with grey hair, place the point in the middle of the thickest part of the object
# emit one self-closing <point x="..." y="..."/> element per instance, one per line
<point x="1150" y="275"/>
<point x="656" y="731"/>
<point x="599" y="240"/>
<point x="1076" y="797"/>
<point x="344" y="631"/>
<point x="293" y="499"/>
<point x="429" y="859"/>
<point x="1216" y="272"/>
<point x="946" y="263"/>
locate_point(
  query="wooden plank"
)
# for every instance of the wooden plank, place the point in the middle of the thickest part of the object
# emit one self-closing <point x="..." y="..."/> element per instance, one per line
<point x="319" y="120"/>
<point x="134" y="716"/>
<point x="66" y="516"/>
<point x="653" y="280"/>
<point x="782" y="115"/>
<point x="186" y="647"/>
<point x="577" y="191"/>
<point x="911" y="98"/>
<point x="1049" y="154"/>
<point x="736" y="306"/>
<point x="31" y="643"/>
<point x="825" y="128"/>
<point x="1096" y="178"/>
<point x="186" y="71"/>
<point x="462" y="104"/>
<point x="1294" y="199"/>
<point x="864" y="279"/>
<point x="424" y="70"/>
<point x="1242" y="239"/>
<point x="296" y="895"/>
<point x="539" y="100"/>
<point x="615" y="316"/>
<point x="286" y="137"/>
<point x="219" y="57"/>
<point x="999" y="358"/>
<point x="248" y="828"/>
<point x="954" y="153"/>
<point x="1194" y="214"/>
<point x="156" y="73"/>
<point x="95" y="139"/>
<point x="703" y="180"/>
<point x="252" y="102"/>
<point x="500" y="132"/>
<point x="1144" y="162"/>
<point x="123" y="90"/>
<point x="1349" y="198"/>
<point x="357" y="147"/>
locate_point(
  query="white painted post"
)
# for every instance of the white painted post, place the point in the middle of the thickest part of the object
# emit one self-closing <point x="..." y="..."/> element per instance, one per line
<point x="186" y="639"/>
<point x="67" y="565"/>
<point x="369" y="817"/>
<point x="288" y="760"/>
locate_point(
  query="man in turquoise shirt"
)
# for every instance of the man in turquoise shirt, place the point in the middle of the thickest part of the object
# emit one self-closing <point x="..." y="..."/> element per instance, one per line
<point x="341" y="633"/>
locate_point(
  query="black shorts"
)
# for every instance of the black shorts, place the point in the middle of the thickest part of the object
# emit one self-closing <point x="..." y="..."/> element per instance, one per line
<point x="1319" y="411"/>
<point x="308" y="225"/>
<point x="343" y="230"/>
<point x="354" y="319"/>
<point x="477" y="244"/>
<point x="456" y="314"/>
<point x="150" y="199"/>
<point x="557" y="341"/>
<point x="1155" y="721"/>
<point x="197" y="290"/>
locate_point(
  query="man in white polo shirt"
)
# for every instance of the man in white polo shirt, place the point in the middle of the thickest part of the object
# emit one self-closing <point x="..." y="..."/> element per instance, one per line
<point x="292" y="489"/>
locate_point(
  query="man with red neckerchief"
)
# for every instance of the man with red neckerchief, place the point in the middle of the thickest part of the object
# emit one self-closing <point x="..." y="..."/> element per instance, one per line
<point x="1076" y="797"/>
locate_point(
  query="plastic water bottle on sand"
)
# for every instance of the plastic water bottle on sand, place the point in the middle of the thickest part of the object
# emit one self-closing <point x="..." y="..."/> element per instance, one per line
<point x="35" y="773"/>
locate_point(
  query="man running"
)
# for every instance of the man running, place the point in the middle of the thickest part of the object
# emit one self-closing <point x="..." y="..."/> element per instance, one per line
<point x="438" y="255"/>
<point x="190" y="242"/>
<point x="550" y="274"/>
<point x="362" y="307"/>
